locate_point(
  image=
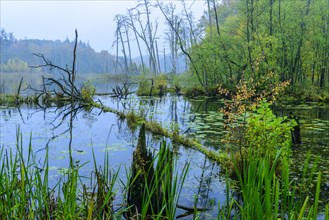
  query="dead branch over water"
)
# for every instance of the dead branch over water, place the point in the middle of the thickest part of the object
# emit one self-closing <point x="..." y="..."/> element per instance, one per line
<point x="64" y="86"/>
<point x="74" y="99"/>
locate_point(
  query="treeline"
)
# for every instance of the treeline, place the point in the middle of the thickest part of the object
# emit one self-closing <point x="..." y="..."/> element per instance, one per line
<point x="234" y="40"/>
<point x="250" y="38"/>
<point x="17" y="55"/>
<point x="14" y="65"/>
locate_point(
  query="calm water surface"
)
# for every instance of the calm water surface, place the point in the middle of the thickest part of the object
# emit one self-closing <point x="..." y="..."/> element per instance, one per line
<point x="105" y="134"/>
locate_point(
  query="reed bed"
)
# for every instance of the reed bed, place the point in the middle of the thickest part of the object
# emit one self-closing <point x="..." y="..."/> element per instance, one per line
<point x="267" y="190"/>
<point x="262" y="191"/>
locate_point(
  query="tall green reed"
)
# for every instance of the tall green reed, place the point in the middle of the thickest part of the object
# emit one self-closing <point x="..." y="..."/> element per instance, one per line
<point x="266" y="187"/>
<point x="25" y="192"/>
<point x="165" y="187"/>
<point x="268" y="192"/>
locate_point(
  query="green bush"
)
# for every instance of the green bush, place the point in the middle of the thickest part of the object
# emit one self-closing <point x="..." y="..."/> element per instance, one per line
<point x="265" y="133"/>
<point x="161" y="83"/>
<point x="152" y="85"/>
<point x="259" y="133"/>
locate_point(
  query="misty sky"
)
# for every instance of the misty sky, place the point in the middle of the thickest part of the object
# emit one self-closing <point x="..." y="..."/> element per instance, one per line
<point x="54" y="20"/>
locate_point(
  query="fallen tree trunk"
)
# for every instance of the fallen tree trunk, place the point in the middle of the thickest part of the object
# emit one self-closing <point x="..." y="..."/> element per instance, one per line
<point x="65" y="89"/>
<point x="156" y="129"/>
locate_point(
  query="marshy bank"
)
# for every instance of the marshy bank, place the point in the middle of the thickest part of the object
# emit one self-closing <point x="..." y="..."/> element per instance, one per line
<point x="94" y="132"/>
<point x="152" y="188"/>
<point x="105" y="132"/>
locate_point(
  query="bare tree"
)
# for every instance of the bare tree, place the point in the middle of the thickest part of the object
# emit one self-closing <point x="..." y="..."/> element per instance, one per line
<point x="65" y="87"/>
<point x="62" y="87"/>
<point x="171" y="37"/>
<point x="165" y="60"/>
<point x="177" y="30"/>
<point x="146" y="32"/>
<point x="158" y="58"/>
<point x="128" y="43"/>
<point x="132" y="25"/>
<point x="120" y="24"/>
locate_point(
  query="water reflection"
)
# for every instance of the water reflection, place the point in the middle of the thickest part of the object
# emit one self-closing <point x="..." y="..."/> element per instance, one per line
<point x="142" y="172"/>
<point x="198" y="118"/>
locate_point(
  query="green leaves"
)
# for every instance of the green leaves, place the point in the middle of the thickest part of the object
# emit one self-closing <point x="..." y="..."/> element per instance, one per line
<point x="256" y="37"/>
<point x="265" y="133"/>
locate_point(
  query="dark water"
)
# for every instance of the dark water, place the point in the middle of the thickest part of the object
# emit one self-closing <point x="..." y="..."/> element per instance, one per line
<point x="105" y="134"/>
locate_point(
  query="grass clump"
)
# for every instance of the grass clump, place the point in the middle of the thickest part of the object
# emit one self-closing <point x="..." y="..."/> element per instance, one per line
<point x="88" y="91"/>
<point x="25" y="191"/>
<point x="155" y="184"/>
<point x="133" y="120"/>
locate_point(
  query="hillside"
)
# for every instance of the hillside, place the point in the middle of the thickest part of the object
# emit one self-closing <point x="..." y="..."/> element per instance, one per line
<point x="17" y="55"/>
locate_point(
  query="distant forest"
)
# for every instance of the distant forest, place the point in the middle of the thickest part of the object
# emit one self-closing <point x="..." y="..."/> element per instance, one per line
<point x="17" y="55"/>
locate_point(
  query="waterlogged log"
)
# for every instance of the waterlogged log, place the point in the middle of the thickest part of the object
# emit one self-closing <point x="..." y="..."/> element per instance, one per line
<point x="105" y="109"/>
<point x="156" y="129"/>
<point x="68" y="90"/>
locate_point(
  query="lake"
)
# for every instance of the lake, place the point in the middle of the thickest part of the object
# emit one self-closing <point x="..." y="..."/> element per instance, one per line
<point x="105" y="133"/>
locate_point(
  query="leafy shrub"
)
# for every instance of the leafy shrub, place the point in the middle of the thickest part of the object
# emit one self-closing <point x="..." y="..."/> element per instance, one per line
<point x="265" y="133"/>
<point x="144" y="87"/>
<point x="153" y="85"/>
<point x="161" y="81"/>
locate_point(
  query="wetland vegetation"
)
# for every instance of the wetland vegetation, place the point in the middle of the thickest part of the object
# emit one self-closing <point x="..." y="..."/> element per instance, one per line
<point x="241" y="133"/>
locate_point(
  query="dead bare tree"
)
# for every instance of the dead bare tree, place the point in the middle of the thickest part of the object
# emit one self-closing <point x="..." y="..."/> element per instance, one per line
<point x="132" y="25"/>
<point x="177" y="29"/>
<point x="146" y="32"/>
<point x="62" y="87"/>
<point x="171" y="37"/>
<point x="120" y="24"/>
<point x="65" y="89"/>
<point x="128" y="43"/>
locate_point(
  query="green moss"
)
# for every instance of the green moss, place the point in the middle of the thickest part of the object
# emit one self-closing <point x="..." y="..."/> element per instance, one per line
<point x="11" y="99"/>
<point x="133" y="120"/>
<point x="106" y="109"/>
<point x="88" y="90"/>
<point x="156" y="128"/>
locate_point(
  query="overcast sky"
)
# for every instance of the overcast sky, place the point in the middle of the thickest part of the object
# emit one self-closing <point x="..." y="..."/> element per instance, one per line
<point x="54" y="20"/>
